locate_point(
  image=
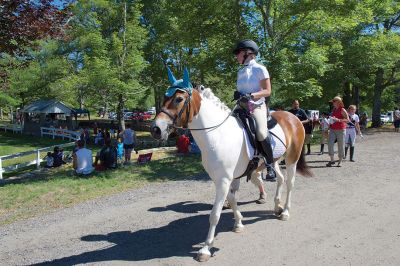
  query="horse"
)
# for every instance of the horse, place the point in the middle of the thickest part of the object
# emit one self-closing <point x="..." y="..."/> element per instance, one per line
<point x="222" y="142"/>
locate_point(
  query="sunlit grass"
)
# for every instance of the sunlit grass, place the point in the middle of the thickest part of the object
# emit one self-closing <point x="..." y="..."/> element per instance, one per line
<point x="59" y="188"/>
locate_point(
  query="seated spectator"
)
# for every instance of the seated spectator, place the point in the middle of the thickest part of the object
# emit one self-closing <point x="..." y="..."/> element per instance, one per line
<point x="57" y="157"/>
<point x="183" y="144"/>
<point x="49" y="160"/>
<point x="82" y="160"/>
<point x="107" y="157"/>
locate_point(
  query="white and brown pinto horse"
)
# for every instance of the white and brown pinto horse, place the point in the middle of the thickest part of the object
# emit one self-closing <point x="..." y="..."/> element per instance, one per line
<point x="223" y="149"/>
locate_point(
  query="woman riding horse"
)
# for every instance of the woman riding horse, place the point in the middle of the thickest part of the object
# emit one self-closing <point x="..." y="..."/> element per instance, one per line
<point x="254" y="83"/>
<point x="223" y="146"/>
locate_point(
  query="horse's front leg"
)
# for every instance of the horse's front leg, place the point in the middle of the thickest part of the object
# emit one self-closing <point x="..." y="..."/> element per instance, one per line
<point x="222" y="187"/>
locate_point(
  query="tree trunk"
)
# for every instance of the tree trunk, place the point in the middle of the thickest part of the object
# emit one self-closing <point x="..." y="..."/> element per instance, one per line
<point x="378" y="89"/>
<point x="346" y="94"/>
<point x="120" y="112"/>
<point x="356" y="97"/>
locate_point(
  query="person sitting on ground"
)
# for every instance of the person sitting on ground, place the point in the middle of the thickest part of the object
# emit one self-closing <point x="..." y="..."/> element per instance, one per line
<point x="82" y="160"/>
<point x="57" y="157"/>
<point x="49" y="160"/>
<point x="107" y="157"/>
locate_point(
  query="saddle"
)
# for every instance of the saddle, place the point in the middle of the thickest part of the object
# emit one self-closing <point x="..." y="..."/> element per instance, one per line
<point x="249" y="125"/>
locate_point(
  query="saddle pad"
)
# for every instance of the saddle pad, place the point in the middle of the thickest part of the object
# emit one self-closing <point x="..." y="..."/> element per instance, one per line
<point x="278" y="147"/>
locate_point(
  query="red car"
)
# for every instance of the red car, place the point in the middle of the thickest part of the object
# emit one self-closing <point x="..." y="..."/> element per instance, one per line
<point x="141" y="116"/>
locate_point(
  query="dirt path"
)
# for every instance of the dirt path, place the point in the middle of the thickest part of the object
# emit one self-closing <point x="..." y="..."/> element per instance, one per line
<point x="343" y="216"/>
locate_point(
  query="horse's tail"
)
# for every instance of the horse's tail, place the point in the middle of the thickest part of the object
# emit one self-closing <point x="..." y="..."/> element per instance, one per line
<point x="302" y="166"/>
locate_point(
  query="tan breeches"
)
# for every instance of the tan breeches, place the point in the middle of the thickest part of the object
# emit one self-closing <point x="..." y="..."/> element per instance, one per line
<point x="260" y="116"/>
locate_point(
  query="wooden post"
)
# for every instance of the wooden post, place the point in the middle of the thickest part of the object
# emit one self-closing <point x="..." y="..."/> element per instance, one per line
<point x="37" y="159"/>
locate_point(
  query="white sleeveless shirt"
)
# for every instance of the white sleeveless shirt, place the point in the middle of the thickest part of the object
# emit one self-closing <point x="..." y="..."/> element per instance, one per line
<point x="248" y="79"/>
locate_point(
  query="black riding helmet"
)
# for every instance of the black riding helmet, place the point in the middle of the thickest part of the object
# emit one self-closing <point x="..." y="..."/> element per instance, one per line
<point x="246" y="44"/>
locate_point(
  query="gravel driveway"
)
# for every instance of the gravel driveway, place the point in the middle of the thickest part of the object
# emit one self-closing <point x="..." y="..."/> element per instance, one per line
<point x="342" y="216"/>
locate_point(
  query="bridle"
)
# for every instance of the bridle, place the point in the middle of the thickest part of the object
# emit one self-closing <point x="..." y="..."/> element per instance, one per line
<point x="186" y="107"/>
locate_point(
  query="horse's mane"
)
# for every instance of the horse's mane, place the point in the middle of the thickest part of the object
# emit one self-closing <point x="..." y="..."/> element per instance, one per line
<point x="208" y="94"/>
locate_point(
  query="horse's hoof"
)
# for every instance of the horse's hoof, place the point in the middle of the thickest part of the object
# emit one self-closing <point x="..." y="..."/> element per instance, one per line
<point x="278" y="211"/>
<point x="202" y="257"/>
<point x="284" y="217"/>
<point x="238" y="229"/>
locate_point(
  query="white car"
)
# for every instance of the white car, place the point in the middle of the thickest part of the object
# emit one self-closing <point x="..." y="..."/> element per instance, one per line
<point x="151" y="110"/>
<point x="384" y="119"/>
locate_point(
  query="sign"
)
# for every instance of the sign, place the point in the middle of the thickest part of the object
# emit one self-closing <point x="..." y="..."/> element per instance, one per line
<point x="144" y="158"/>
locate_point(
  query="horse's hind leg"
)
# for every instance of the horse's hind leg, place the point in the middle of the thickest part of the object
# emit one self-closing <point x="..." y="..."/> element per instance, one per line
<point x="222" y="188"/>
<point x="238" y="227"/>
<point x="279" y="186"/>
<point x="290" y="175"/>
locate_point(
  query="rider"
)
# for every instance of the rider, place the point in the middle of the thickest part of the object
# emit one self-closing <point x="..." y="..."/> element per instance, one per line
<point x="253" y="81"/>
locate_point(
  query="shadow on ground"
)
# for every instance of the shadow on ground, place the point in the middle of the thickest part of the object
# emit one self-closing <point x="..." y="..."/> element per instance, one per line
<point x="179" y="238"/>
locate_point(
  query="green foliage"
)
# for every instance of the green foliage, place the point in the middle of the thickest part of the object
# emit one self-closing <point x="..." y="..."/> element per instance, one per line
<point x="114" y="53"/>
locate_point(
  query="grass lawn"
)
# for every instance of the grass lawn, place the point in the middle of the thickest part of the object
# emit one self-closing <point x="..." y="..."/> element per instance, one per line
<point x="59" y="188"/>
<point x="12" y="143"/>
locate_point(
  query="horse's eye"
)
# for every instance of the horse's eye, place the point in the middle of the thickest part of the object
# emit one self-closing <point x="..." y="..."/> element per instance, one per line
<point x="178" y="100"/>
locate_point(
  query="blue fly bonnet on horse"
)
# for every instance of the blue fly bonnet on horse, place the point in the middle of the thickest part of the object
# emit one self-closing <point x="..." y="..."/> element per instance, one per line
<point x="180" y="84"/>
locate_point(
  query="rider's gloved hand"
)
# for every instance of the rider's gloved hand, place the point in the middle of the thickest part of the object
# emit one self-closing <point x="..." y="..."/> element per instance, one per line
<point x="236" y="95"/>
<point x="245" y="98"/>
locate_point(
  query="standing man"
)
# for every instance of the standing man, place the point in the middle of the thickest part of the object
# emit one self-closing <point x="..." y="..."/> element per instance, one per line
<point x="396" y="118"/>
<point x="302" y="116"/>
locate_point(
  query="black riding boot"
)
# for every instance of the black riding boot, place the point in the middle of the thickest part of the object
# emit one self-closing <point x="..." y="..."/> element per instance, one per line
<point x="268" y="155"/>
<point x="351" y="154"/>
<point x="322" y="149"/>
<point x="345" y="152"/>
<point x="308" y="149"/>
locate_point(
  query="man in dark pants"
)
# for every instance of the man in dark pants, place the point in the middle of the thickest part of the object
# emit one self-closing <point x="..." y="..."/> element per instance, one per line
<point x="302" y="116"/>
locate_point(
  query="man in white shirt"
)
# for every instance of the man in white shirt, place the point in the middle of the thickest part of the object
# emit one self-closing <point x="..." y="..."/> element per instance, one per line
<point x="83" y="160"/>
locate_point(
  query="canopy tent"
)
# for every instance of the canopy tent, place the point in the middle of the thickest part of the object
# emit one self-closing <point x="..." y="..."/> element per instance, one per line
<point x="49" y="113"/>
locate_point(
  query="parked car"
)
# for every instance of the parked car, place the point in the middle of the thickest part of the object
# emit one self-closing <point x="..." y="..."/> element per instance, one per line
<point x="140" y="116"/>
<point x="390" y="115"/>
<point x="384" y="118"/>
<point x="151" y="110"/>
<point x="128" y="115"/>
<point x="112" y="115"/>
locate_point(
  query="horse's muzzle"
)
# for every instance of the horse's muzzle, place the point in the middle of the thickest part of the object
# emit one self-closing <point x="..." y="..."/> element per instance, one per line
<point x="155" y="131"/>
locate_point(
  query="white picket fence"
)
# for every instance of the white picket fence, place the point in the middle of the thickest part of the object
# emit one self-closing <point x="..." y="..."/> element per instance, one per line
<point x="15" y="128"/>
<point x="58" y="132"/>
<point x="38" y="158"/>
